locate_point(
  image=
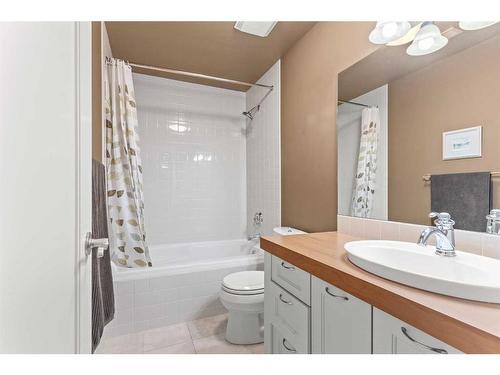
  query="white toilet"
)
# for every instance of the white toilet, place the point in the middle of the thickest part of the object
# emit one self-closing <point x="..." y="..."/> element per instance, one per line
<point x="242" y="294"/>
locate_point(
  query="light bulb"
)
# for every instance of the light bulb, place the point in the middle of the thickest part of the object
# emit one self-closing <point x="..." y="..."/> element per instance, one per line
<point x="426" y="43"/>
<point x="385" y="32"/>
<point x="428" y="40"/>
<point x="389" y="29"/>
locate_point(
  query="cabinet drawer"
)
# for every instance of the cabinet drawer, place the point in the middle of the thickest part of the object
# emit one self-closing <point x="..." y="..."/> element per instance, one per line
<point x="280" y="343"/>
<point x="393" y="336"/>
<point x="290" y="316"/>
<point x="341" y="323"/>
<point x="292" y="278"/>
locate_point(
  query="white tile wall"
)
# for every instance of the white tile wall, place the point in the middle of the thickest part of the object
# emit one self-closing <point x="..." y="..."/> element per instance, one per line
<point x="263" y="155"/>
<point x="195" y="188"/>
<point x="472" y="242"/>
<point x="194" y="180"/>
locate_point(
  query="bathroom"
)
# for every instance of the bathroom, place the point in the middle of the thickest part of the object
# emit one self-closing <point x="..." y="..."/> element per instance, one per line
<point x="282" y="187"/>
<point x="210" y="162"/>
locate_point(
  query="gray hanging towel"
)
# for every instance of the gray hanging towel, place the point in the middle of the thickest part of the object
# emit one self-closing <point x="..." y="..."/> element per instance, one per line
<point x="103" y="300"/>
<point x="466" y="196"/>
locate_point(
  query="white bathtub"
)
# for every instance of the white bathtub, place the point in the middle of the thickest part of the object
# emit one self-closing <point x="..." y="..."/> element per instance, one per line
<point x="182" y="285"/>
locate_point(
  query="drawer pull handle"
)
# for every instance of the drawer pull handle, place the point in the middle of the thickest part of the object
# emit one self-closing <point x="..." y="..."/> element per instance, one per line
<point x="435" y="350"/>
<point x="336" y="296"/>
<point x="287" y="348"/>
<point x="287" y="267"/>
<point x="285" y="301"/>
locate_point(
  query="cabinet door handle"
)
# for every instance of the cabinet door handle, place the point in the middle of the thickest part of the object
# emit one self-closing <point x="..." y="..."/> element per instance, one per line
<point x="436" y="350"/>
<point x="287" y="348"/>
<point x="336" y="296"/>
<point x="285" y="301"/>
<point x="287" y="267"/>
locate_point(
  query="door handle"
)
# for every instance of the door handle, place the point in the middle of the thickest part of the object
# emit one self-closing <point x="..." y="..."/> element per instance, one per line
<point x="435" y="350"/>
<point x="336" y="296"/>
<point x="102" y="244"/>
<point x="287" y="267"/>
<point x="285" y="301"/>
<point x="288" y="348"/>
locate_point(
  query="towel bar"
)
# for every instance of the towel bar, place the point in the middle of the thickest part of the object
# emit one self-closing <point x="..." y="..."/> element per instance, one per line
<point x="427" y="177"/>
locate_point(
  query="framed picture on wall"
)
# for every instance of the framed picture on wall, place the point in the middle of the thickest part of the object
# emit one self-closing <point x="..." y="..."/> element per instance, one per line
<point x="462" y="143"/>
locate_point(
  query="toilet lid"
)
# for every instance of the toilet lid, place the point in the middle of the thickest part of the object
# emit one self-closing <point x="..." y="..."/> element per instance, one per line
<point x="251" y="281"/>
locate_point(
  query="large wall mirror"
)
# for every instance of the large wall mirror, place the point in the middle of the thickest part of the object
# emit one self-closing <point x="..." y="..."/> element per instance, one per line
<point x="422" y="133"/>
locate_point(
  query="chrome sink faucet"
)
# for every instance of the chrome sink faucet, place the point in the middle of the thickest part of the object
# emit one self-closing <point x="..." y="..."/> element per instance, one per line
<point x="444" y="232"/>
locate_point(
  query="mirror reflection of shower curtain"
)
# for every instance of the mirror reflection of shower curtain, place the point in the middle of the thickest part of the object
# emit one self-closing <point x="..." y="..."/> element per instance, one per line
<point x="123" y="169"/>
<point x="364" y="182"/>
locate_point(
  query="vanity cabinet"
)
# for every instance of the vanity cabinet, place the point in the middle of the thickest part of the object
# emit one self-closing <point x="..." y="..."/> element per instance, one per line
<point x="287" y="314"/>
<point x="341" y="323"/>
<point x="393" y="336"/>
<point x="304" y="314"/>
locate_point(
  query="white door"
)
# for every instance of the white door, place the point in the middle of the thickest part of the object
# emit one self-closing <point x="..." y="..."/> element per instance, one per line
<point x="45" y="169"/>
<point x="341" y="323"/>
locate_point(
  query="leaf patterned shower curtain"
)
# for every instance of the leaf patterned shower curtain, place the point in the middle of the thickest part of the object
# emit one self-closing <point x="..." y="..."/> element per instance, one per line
<point x="123" y="168"/>
<point x="364" y="183"/>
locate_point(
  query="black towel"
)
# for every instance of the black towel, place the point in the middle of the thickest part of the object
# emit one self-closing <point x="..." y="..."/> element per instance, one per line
<point x="466" y="196"/>
<point x="103" y="300"/>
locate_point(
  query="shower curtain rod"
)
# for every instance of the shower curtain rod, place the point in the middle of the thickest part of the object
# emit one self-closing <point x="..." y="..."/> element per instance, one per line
<point x="348" y="102"/>
<point x="198" y="75"/>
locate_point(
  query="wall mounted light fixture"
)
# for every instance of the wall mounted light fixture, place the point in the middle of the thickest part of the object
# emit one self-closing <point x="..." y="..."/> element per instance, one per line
<point x="475" y="25"/>
<point x="428" y="40"/>
<point x="425" y="37"/>
<point x="389" y="31"/>
<point x="408" y="37"/>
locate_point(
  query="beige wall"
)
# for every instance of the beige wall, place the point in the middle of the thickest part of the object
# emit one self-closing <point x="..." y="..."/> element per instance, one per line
<point x="460" y="91"/>
<point x="308" y="122"/>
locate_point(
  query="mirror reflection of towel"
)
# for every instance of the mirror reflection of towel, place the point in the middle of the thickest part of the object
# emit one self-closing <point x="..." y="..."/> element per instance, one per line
<point x="466" y="196"/>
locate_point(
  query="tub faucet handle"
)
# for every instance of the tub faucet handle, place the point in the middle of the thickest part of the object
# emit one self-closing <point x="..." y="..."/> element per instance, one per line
<point x="258" y="219"/>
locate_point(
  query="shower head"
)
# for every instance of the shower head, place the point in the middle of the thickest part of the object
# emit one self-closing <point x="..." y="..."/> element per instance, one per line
<point x="251" y="113"/>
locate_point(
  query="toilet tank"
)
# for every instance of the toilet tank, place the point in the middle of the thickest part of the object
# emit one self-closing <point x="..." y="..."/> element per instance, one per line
<point x="287" y="231"/>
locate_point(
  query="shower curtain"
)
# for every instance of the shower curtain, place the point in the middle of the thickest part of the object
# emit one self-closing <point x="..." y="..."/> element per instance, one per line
<point x="123" y="168"/>
<point x="364" y="182"/>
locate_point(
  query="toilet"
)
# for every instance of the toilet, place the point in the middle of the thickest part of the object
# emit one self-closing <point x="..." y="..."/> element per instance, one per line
<point x="242" y="294"/>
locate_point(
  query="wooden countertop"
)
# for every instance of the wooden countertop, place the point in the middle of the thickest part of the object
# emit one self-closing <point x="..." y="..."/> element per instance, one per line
<point x="472" y="327"/>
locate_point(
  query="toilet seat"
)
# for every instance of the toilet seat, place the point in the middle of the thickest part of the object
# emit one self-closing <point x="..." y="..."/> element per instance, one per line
<point x="244" y="283"/>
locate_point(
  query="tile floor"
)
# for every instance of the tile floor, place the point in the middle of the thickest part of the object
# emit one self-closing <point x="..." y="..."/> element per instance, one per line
<point x="203" y="336"/>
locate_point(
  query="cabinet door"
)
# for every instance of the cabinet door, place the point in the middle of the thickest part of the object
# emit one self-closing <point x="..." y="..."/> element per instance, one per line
<point x="280" y="343"/>
<point x="291" y="316"/>
<point x="341" y="323"/>
<point x="393" y="336"/>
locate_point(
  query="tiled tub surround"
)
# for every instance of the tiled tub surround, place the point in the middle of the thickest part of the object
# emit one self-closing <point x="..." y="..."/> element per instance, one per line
<point x="193" y="157"/>
<point x="472" y="242"/>
<point x="183" y="285"/>
<point x="263" y="155"/>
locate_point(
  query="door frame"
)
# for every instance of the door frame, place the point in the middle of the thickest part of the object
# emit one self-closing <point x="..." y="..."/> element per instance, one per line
<point x="83" y="149"/>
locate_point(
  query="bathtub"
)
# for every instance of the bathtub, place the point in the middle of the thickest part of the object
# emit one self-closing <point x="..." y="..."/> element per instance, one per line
<point x="182" y="285"/>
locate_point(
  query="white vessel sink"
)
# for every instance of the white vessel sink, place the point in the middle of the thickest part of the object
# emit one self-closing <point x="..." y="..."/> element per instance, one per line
<point x="466" y="276"/>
